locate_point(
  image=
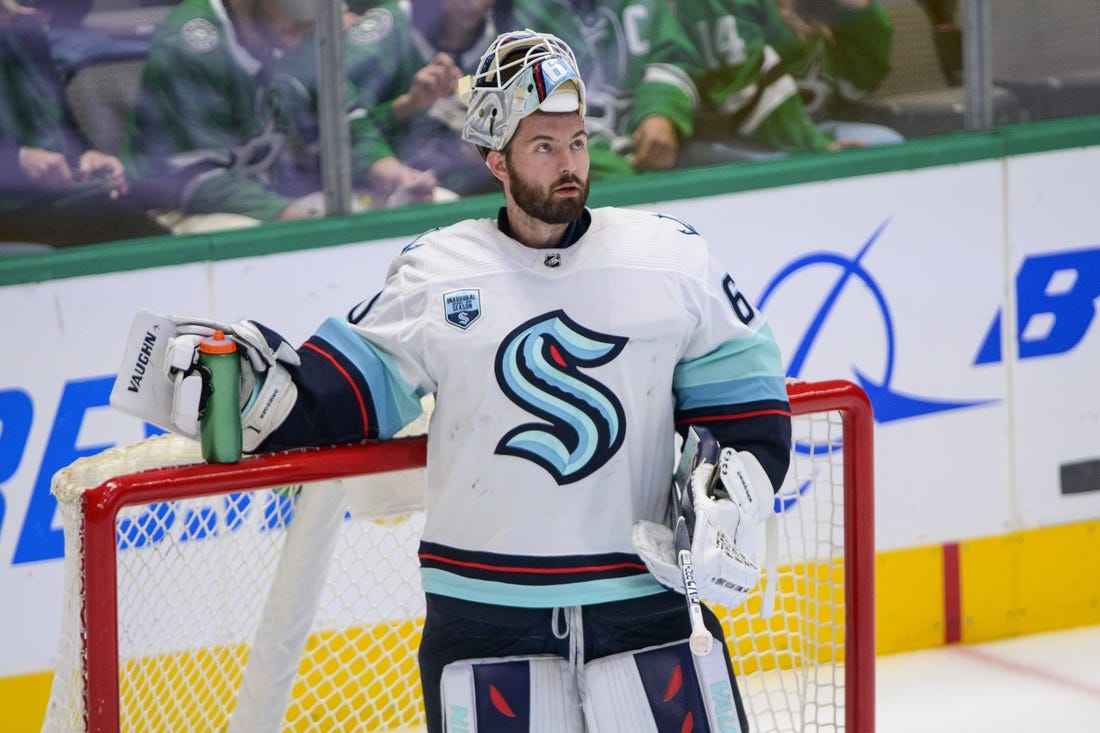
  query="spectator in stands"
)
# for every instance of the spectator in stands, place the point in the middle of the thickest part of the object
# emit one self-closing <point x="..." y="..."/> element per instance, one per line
<point x="947" y="37"/>
<point x="218" y="126"/>
<point x="638" y="66"/>
<point x="53" y="188"/>
<point x="404" y="61"/>
<point x="778" y="70"/>
<point x="75" y="43"/>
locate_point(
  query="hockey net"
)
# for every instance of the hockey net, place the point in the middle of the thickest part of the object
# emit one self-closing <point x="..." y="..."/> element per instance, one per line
<point x="193" y="603"/>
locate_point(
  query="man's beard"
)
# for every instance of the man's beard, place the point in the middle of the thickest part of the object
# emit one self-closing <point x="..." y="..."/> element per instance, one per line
<point x="542" y="204"/>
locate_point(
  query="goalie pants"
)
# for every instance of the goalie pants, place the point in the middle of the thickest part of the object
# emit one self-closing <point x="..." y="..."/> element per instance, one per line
<point x="455" y="629"/>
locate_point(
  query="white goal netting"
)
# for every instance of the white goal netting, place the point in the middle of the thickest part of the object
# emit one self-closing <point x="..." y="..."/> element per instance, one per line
<point x="282" y="593"/>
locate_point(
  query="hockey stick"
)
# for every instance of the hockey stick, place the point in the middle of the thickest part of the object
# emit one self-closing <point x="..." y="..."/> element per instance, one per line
<point x="700" y="640"/>
<point x="696" y="450"/>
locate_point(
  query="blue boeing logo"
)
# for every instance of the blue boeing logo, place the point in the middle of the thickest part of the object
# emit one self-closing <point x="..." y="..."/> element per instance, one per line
<point x="889" y="403"/>
<point x="1055" y="307"/>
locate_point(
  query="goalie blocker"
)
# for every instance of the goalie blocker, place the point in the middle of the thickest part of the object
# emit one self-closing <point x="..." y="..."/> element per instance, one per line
<point x="161" y="381"/>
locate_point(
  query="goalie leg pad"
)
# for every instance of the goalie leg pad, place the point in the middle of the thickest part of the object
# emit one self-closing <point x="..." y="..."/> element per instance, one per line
<point x="536" y="694"/>
<point x="661" y="688"/>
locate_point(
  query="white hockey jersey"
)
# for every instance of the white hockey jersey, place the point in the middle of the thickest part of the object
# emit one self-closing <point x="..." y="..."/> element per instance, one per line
<point x="559" y="376"/>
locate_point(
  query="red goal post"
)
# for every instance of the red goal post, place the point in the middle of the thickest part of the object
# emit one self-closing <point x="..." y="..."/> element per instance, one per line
<point x="192" y="602"/>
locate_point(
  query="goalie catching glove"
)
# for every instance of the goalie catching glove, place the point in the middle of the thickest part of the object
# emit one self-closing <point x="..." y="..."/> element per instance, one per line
<point x="729" y="504"/>
<point x="160" y="380"/>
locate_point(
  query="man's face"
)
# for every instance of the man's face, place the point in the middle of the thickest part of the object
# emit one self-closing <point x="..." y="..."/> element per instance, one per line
<point x="547" y="166"/>
<point x="467" y="11"/>
<point x="275" y="28"/>
<point x="450" y="20"/>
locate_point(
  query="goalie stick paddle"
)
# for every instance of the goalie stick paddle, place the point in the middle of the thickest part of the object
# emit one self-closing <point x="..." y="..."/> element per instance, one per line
<point x="699" y="447"/>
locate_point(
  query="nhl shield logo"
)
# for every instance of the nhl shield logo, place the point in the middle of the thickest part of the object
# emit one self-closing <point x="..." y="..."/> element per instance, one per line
<point x="462" y="307"/>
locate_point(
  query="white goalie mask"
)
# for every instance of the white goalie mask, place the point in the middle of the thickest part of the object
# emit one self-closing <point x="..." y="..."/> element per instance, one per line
<point x="521" y="72"/>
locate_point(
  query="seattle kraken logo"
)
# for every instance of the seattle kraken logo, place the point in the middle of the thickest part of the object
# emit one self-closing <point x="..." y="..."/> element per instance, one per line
<point x="539" y="367"/>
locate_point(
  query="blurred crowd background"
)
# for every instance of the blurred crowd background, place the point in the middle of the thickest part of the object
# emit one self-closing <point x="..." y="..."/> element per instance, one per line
<point x="136" y="118"/>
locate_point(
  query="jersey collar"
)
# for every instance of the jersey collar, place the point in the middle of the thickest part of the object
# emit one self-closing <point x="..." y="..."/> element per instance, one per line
<point x="573" y="232"/>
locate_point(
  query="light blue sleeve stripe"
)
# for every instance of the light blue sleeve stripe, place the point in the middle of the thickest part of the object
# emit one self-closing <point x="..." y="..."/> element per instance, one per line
<point x="755" y="355"/>
<point x="739" y="370"/>
<point x="539" y="596"/>
<point x="732" y="392"/>
<point x="396" y="402"/>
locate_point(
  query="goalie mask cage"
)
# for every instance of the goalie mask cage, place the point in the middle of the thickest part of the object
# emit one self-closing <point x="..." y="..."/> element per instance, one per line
<point x="192" y="602"/>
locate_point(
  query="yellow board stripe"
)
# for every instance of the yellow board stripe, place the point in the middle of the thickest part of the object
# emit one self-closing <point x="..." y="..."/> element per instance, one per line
<point x="1019" y="583"/>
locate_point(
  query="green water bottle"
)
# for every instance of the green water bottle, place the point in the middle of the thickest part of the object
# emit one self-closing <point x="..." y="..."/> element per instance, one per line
<point x="220" y="430"/>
